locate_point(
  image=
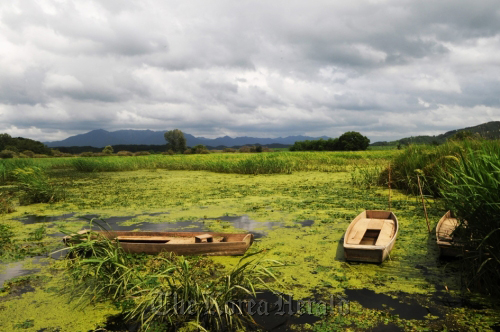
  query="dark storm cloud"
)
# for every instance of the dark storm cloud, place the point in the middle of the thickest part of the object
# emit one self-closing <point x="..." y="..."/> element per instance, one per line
<point x="248" y="68"/>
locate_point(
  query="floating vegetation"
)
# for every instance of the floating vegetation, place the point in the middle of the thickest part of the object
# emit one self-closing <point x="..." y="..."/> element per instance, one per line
<point x="176" y="191"/>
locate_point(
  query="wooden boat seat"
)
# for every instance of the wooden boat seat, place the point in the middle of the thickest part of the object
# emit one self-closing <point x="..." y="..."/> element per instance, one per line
<point x="203" y="238"/>
<point x="359" y="230"/>
<point x="386" y="233"/>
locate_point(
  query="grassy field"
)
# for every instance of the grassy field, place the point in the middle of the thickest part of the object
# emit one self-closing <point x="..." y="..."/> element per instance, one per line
<point x="278" y="192"/>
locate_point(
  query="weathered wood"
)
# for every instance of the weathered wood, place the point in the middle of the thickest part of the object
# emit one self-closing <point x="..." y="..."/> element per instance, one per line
<point x="379" y="240"/>
<point x="447" y="244"/>
<point x="423" y="203"/>
<point x="181" y="243"/>
<point x="386" y="232"/>
<point x="203" y="238"/>
<point x="358" y="231"/>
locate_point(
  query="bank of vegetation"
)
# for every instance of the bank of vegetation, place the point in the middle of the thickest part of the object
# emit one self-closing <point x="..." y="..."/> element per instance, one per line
<point x="268" y="163"/>
<point x="466" y="174"/>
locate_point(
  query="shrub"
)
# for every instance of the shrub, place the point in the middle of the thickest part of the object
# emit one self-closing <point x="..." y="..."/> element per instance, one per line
<point x="86" y="154"/>
<point x="6" y="235"/>
<point x="169" y="152"/>
<point x="198" y="149"/>
<point x="5" y="154"/>
<point x="29" y="153"/>
<point x="40" y="156"/>
<point x="142" y="153"/>
<point x="6" y="205"/>
<point x="124" y="153"/>
<point x="353" y="141"/>
<point x="245" y="149"/>
<point x="35" y="186"/>
<point x="108" y="150"/>
<point x="188" y="151"/>
<point x="229" y="150"/>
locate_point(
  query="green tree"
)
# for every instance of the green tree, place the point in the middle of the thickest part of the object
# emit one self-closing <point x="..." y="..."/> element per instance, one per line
<point x="353" y="141"/>
<point x="464" y="135"/>
<point x="175" y="140"/>
<point x="108" y="149"/>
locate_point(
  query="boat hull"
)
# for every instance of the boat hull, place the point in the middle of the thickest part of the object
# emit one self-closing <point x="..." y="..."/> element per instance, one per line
<point x="445" y="242"/>
<point x="232" y="244"/>
<point x="360" y="251"/>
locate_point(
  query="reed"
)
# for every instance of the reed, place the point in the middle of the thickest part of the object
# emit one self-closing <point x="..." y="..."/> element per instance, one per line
<point x="471" y="188"/>
<point x="35" y="187"/>
<point x="430" y="162"/>
<point x="165" y="290"/>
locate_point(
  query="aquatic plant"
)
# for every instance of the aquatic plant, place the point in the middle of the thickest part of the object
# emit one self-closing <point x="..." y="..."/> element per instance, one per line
<point x="471" y="188"/>
<point x="431" y="163"/>
<point x="35" y="187"/>
<point x="6" y="205"/>
<point x="365" y="177"/>
<point x="8" y="166"/>
<point x="6" y="235"/>
<point x="167" y="289"/>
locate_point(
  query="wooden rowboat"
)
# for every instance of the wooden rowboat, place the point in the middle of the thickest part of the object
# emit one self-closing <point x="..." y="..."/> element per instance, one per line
<point x="371" y="236"/>
<point x="447" y="243"/>
<point x="180" y="243"/>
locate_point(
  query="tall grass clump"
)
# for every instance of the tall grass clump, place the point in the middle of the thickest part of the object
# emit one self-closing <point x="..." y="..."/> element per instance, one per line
<point x="365" y="177"/>
<point x="471" y="188"/>
<point x="8" y="166"/>
<point x="430" y="163"/>
<point x="264" y="164"/>
<point x="35" y="187"/>
<point x="165" y="290"/>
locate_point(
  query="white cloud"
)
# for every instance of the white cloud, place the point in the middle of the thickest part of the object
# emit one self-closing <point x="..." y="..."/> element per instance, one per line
<point x="248" y="68"/>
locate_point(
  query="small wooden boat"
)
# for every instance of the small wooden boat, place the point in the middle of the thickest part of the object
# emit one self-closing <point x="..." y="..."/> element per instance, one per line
<point x="371" y="236"/>
<point x="447" y="243"/>
<point x="180" y="243"/>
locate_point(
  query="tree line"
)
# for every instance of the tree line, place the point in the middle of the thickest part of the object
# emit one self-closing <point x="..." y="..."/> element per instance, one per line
<point x="349" y="141"/>
<point x="21" y="144"/>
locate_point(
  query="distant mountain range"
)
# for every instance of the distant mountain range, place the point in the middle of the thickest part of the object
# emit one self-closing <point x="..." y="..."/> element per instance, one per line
<point x="488" y="130"/>
<point x="100" y="138"/>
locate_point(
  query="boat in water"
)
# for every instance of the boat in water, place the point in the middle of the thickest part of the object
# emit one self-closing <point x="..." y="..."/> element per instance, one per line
<point x="180" y="243"/>
<point x="449" y="245"/>
<point x="370" y="237"/>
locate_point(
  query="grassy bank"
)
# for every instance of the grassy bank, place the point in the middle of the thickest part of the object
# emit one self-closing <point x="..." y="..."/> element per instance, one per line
<point x="265" y="163"/>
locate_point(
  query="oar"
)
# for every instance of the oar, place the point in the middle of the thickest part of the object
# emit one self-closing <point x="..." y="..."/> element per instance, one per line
<point x="389" y="186"/>
<point x="423" y="203"/>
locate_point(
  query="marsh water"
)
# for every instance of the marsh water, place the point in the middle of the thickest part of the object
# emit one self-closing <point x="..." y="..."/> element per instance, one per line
<point x="298" y="220"/>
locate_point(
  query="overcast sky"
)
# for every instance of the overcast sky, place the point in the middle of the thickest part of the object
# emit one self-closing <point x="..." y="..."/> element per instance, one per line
<point x="388" y="69"/>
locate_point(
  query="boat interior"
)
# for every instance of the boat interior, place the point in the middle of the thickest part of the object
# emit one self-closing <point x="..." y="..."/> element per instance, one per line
<point x="371" y="231"/>
<point x="444" y="232"/>
<point x="204" y="238"/>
